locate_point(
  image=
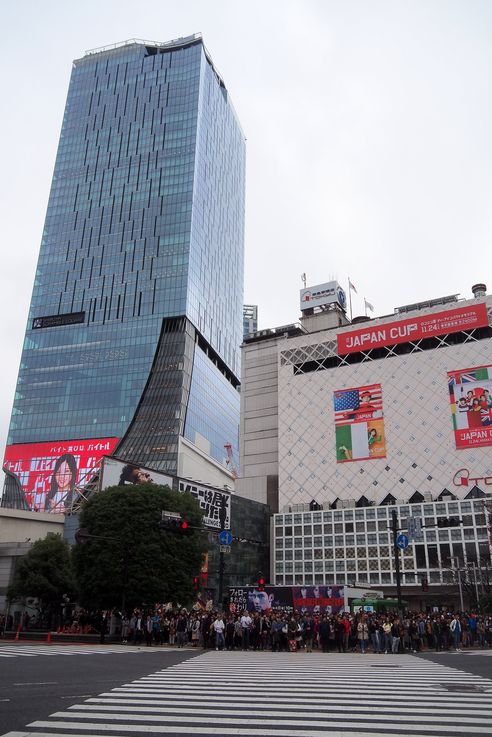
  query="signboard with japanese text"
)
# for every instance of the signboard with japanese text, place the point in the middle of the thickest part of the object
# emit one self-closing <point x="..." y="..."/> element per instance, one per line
<point x="48" y="472"/>
<point x="216" y="505"/>
<point x="470" y="395"/>
<point x="251" y="599"/>
<point x="413" y="329"/>
<point x="359" y="423"/>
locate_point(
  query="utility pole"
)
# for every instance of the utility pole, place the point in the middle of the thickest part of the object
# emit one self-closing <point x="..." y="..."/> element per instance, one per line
<point x="476" y="583"/>
<point x="396" y="550"/>
<point x="221" y="577"/>
<point x="459" y="581"/>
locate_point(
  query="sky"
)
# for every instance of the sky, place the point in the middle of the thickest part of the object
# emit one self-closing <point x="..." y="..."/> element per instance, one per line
<point x="369" y="147"/>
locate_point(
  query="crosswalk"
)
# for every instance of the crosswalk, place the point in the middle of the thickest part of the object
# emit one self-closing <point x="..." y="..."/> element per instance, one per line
<point x="32" y="651"/>
<point x="285" y="695"/>
<point x="459" y="653"/>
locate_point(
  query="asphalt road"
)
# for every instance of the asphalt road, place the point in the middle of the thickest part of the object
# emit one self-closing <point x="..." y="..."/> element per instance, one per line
<point x="468" y="662"/>
<point x="34" y="687"/>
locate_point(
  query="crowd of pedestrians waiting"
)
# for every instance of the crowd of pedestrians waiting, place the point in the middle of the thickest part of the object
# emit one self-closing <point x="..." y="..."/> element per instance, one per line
<point x="359" y="632"/>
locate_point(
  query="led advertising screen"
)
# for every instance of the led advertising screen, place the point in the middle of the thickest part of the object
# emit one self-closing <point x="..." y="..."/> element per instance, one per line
<point x="470" y="394"/>
<point x="49" y="472"/>
<point x="119" y="473"/>
<point x="359" y="423"/>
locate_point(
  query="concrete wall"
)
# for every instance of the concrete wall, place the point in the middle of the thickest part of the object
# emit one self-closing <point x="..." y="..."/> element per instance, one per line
<point x="259" y="422"/>
<point x="18" y="531"/>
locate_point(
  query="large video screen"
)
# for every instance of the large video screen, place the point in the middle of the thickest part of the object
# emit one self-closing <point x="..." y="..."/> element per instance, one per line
<point x="49" y="472"/>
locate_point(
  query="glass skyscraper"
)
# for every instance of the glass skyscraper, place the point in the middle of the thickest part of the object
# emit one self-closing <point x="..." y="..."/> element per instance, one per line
<point x="135" y="321"/>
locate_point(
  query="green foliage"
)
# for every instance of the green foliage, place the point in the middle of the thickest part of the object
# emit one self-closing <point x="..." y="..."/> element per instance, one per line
<point x="45" y="572"/>
<point x="134" y="562"/>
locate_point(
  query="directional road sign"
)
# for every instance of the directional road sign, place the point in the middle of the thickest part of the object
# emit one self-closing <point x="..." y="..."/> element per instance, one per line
<point x="225" y="537"/>
<point x="402" y="542"/>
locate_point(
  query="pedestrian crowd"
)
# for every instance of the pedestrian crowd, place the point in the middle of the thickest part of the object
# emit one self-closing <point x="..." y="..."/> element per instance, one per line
<point x="279" y="631"/>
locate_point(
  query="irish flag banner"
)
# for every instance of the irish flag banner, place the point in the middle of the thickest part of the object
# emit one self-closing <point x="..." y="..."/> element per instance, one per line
<point x="359" y="423"/>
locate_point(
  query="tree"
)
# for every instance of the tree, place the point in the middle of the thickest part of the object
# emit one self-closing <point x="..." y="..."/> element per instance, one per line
<point x="44" y="572"/>
<point x="126" y="560"/>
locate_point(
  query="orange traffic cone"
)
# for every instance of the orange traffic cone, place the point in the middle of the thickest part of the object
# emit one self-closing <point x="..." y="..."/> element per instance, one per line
<point x="48" y="639"/>
<point x="17" y="633"/>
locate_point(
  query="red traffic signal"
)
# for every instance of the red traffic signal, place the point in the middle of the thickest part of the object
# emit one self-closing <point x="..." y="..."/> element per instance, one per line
<point x="184" y="524"/>
<point x="261" y="582"/>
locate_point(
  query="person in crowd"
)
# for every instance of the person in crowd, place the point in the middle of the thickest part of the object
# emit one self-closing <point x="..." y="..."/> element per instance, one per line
<point x="246" y="624"/>
<point x="219" y="627"/>
<point x="363" y="634"/>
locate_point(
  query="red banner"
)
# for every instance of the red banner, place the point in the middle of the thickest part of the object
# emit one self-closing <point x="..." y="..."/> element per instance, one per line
<point x="49" y="472"/>
<point x="412" y="329"/>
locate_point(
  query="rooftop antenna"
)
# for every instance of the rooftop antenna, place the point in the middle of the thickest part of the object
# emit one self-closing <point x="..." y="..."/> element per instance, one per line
<point x="303" y="279"/>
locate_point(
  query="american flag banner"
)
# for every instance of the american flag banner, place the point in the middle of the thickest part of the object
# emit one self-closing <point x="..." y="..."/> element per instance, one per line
<point x="359" y="423"/>
<point x="358" y="405"/>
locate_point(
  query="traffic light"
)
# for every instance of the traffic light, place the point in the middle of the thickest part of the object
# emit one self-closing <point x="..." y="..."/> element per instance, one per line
<point x="261" y="582"/>
<point x="173" y="521"/>
<point x="195" y="583"/>
<point x="425" y="583"/>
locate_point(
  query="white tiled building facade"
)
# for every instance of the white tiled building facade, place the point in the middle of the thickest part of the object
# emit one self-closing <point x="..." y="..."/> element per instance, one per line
<point x="289" y="448"/>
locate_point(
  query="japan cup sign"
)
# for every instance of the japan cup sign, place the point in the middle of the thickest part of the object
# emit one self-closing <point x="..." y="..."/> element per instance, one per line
<point x="413" y="329"/>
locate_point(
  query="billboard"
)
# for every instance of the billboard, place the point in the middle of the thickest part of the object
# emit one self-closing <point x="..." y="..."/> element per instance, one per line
<point x="302" y="599"/>
<point x="470" y="395"/>
<point x="359" y="423"/>
<point x="49" y="472"/>
<point x="119" y="473"/>
<point x="412" y="329"/>
<point x="323" y="294"/>
<point x="215" y="504"/>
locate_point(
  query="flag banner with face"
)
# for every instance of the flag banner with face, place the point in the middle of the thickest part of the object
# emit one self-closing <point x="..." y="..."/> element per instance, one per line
<point x="359" y="423"/>
<point x="470" y="395"/>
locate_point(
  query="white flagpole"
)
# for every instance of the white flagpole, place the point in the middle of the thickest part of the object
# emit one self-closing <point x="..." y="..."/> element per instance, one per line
<point x="350" y="298"/>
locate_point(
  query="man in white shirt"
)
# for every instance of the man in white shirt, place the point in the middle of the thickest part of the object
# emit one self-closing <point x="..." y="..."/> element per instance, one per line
<point x="246" y="623"/>
<point x="219" y="628"/>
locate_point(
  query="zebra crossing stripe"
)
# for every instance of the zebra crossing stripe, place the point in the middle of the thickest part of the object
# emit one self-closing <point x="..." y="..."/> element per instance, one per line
<point x="31" y="651"/>
<point x="284" y="695"/>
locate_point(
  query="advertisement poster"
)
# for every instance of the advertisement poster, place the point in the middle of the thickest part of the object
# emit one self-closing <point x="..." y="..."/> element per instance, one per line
<point x="216" y="505"/>
<point x="119" y="473"/>
<point x="273" y="598"/>
<point x="49" y="472"/>
<point x="318" y="599"/>
<point x="413" y="329"/>
<point x="359" y="423"/>
<point x="470" y="394"/>
<point x="301" y="599"/>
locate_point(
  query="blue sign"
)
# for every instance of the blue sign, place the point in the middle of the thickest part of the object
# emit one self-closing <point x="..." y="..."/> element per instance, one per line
<point x="402" y="542"/>
<point x="225" y="537"/>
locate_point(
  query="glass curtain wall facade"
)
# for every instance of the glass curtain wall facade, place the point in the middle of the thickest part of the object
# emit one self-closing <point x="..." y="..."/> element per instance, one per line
<point x="136" y="310"/>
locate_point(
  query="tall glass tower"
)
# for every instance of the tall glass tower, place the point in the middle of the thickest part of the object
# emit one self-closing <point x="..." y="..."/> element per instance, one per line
<point x="135" y="322"/>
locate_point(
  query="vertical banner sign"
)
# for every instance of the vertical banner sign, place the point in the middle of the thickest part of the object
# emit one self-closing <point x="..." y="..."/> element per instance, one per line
<point x="359" y="423"/>
<point x="470" y="394"/>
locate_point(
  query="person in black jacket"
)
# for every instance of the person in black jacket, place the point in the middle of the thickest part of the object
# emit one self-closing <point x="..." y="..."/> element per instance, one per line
<point x="324" y="631"/>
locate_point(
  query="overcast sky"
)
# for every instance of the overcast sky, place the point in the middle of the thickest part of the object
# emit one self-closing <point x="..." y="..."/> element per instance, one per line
<point x="369" y="140"/>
